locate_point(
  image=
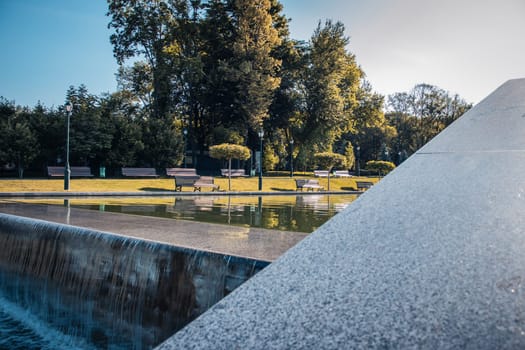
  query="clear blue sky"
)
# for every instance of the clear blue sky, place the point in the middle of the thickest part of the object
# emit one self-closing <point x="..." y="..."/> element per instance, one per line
<point x="468" y="47"/>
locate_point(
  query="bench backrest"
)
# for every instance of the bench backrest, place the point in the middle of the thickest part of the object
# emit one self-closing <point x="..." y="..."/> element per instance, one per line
<point x="364" y="184"/>
<point x="300" y="182"/>
<point x="306" y="182"/>
<point x="75" y="171"/>
<point x="139" y="172"/>
<point x="234" y="172"/>
<point x="184" y="180"/>
<point x="181" y="171"/>
<point x="321" y="173"/>
<point x="205" y="180"/>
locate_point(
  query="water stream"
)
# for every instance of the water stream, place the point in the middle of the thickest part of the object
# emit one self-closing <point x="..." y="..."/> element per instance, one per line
<point x="64" y="287"/>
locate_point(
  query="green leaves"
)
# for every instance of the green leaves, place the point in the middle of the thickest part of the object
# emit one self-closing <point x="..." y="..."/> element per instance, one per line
<point x="230" y="151"/>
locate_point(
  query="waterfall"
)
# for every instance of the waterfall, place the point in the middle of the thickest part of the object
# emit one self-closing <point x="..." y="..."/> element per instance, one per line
<point x="110" y="290"/>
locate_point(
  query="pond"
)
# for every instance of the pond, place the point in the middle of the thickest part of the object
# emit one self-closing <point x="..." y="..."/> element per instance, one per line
<point x="300" y="213"/>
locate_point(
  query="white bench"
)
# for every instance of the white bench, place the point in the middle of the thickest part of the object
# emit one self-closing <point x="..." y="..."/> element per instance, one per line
<point x="342" y="173"/>
<point x="321" y="173"/>
<point x="309" y="185"/>
<point x="139" y="172"/>
<point x="234" y="172"/>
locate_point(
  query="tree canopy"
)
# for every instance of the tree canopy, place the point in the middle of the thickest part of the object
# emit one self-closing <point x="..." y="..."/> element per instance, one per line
<point x="198" y="73"/>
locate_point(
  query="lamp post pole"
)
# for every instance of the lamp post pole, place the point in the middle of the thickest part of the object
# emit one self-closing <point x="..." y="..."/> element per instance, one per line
<point x="185" y="132"/>
<point x="261" y="135"/>
<point x="67" y="169"/>
<point x="291" y="158"/>
<point x="358" y="169"/>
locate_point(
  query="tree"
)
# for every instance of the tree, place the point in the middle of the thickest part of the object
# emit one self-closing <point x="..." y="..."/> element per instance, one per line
<point x="253" y="67"/>
<point x="330" y="85"/>
<point x="18" y="144"/>
<point x="422" y="113"/>
<point x="90" y="135"/>
<point x="147" y="28"/>
<point x="381" y="166"/>
<point x="228" y="152"/>
<point x="329" y="160"/>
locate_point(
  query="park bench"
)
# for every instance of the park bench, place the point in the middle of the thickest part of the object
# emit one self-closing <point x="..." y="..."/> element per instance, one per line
<point x="342" y="173"/>
<point x="185" y="181"/>
<point x="321" y="173"/>
<point x="76" y="171"/>
<point x="205" y="181"/>
<point x="309" y="185"/>
<point x="139" y="172"/>
<point x="234" y="172"/>
<point x="181" y="172"/>
<point x="363" y="185"/>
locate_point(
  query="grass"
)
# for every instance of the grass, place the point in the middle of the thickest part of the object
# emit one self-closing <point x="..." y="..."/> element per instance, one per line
<point x="246" y="184"/>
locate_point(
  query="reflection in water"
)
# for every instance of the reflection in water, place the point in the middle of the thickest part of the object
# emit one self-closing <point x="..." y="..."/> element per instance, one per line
<point x="302" y="213"/>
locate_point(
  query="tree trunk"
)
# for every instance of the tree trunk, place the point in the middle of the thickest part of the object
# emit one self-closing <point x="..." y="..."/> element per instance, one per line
<point x="229" y="174"/>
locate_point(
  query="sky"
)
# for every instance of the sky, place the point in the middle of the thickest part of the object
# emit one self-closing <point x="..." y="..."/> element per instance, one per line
<point x="468" y="47"/>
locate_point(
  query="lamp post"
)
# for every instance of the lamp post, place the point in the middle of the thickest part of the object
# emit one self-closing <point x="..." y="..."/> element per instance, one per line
<point x="185" y="132"/>
<point x="67" y="169"/>
<point x="261" y="135"/>
<point x="291" y="158"/>
<point x="358" y="169"/>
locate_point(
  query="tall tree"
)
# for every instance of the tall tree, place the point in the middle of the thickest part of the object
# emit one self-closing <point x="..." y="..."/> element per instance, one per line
<point x="90" y="134"/>
<point x="331" y="82"/>
<point x="146" y="28"/>
<point x="253" y="67"/>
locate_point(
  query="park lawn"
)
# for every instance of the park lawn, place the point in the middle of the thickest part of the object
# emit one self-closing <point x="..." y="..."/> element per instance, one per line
<point x="245" y="184"/>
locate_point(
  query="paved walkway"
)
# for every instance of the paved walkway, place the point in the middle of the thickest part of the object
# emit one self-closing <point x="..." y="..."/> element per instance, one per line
<point x="257" y="243"/>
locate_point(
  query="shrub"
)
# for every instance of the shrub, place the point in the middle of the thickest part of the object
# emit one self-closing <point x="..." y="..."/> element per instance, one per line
<point x="381" y="166"/>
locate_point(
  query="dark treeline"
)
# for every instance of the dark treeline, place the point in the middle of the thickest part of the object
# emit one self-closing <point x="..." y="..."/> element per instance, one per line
<point x="199" y="73"/>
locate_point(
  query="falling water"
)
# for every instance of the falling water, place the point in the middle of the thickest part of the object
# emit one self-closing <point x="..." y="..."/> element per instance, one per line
<point x="64" y="286"/>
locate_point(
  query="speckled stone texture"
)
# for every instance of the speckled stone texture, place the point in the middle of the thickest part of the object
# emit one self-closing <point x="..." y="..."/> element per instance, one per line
<point x="431" y="257"/>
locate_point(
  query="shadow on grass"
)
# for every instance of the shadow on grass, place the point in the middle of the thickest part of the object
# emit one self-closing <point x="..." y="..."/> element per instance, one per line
<point x="348" y="189"/>
<point x="282" y="189"/>
<point x="156" y="189"/>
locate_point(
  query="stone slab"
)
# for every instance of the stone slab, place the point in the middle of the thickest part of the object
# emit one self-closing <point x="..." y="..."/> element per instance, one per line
<point x="430" y="257"/>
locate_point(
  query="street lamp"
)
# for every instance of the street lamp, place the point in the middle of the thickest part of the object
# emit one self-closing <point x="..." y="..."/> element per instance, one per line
<point x="185" y="132"/>
<point x="261" y="135"/>
<point x="357" y="165"/>
<point x="291" y="157"/>
<point x="67" y="169"/>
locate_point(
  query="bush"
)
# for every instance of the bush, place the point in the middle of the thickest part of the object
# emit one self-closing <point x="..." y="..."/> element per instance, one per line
<point x="381" y="166"/>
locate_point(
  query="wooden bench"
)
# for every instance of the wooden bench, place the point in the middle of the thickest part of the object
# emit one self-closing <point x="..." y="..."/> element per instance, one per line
<point x="234" y="172"/>
<point x="363" y="185"/>
<point x="185" y="181"/>
<point x="321" y="173"/>
<point x="139" y="172"/>
<point x="309" y="185"/>
<point x="205" y="181"/>
<point x="181" y="172"/>
<point x="76" y="171"/>
<point x="342" y="173"/>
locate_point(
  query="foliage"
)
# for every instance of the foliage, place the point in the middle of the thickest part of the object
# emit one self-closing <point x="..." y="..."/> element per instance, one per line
<point x="329" y="160"/>
<point x="221" y="70"/>
<point x="420" y="114"/>
<point x="331" y="83"/>
<point x="270" y="159"/>
<point x="229" y="151"/>
<point x="18" y="144"/>
<point x="381" y="166"/>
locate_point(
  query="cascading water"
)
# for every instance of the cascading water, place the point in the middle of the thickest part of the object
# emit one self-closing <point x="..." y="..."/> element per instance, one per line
<point x="64" y="286"/>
